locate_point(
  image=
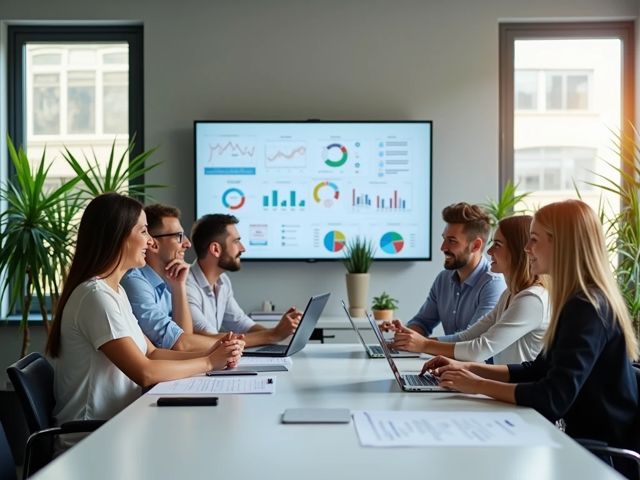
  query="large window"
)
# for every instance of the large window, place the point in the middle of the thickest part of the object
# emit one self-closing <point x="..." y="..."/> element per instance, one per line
<point x="75" y="87"/>
<point x="78" y="88"/>
<point x="566" y="95"/>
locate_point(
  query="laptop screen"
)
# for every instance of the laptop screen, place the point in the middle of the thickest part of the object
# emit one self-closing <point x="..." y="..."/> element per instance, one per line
<point x="385" y="347"/>
<point x="353" y="324"/>
<point x="308" y="323"/>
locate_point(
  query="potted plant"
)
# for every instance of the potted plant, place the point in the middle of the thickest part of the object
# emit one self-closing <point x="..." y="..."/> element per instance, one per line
<point x="505" y="205"/>
<point x="358" y="256"/>
<point x="383" y="306"/>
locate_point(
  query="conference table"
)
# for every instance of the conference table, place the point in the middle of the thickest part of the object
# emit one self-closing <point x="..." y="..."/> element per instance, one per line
<point x="243" y="437"/>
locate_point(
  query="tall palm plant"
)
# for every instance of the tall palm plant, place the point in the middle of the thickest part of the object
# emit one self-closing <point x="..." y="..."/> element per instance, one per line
<point x="34" y="243"/>
<point x="623" y="227"/>
<point x="505" y="205"/>
<point x="118" y="174"/>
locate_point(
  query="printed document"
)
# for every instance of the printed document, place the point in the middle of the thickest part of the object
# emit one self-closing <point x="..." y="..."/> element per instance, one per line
<point x="422" y="429"/>
<point x="215" y="385"/>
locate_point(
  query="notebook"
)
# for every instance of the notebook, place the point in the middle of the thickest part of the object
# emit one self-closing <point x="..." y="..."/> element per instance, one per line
<point x="407" y="381"/>
<point x="375" y="351"/>
<point x="300" y="337"/>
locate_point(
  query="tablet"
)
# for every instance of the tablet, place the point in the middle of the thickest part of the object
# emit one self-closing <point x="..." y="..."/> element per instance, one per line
<point x="316" y="415"/>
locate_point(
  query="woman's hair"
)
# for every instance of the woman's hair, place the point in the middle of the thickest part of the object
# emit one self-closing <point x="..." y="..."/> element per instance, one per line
<point x="104" y="228"/>
<point x="515" y="230"/>
<point x="580" y="264"/>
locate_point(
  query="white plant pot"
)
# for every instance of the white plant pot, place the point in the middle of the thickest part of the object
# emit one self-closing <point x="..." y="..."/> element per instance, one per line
<point x="357" y="292"/>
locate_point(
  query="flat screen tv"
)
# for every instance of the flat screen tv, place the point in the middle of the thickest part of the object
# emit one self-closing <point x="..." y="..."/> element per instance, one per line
<point x="302" y="190"/>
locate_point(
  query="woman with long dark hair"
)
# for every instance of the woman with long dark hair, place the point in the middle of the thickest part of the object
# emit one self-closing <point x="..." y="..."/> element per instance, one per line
<point x="102" y="358"/>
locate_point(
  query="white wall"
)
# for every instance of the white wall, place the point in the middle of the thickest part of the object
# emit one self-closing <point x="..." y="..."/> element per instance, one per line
<point x="329" y="59"/>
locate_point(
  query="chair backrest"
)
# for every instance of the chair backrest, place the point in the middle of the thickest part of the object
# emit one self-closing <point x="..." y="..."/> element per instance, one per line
<point x="32" y="378"/>
<point x="7" y="465"/>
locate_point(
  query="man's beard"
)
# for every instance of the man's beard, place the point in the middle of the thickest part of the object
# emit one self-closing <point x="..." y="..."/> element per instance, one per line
<point x="457" y="261"/>
<point x="229" y="263"/>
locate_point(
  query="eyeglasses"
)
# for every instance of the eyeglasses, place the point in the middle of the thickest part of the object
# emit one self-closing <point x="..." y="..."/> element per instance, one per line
<point x="178" y="235"/>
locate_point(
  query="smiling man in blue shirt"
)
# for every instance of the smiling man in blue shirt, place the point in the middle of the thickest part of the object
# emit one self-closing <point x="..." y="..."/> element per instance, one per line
<point x="466" y="289"/>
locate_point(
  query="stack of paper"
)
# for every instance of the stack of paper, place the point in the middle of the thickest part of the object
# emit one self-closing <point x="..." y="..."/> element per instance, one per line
<point x="215" y="385"/>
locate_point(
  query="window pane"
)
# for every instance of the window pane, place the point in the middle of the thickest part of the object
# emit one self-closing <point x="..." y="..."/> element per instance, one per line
<point x="116" y="113"/>
<point x="81" y="102"/>
<point x="569" y="142"/>
<point x="526" y="90"/>
<point x="82" y="57"/>
<point x="554" y="91"/>
<point x="577" y="90"/>
<point x="116" y="58"/>
<point x="47" y="59"/>
<point x="46" y="104"/>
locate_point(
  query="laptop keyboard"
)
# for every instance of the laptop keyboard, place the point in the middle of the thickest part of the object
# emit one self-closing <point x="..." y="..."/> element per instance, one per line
<point x="377" y="349"/>
<point x="427" y="380"/>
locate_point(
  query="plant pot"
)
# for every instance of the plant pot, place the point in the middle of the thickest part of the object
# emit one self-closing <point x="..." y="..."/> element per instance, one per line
<point x="383" y="314"/>
<point x="357" y="292"/>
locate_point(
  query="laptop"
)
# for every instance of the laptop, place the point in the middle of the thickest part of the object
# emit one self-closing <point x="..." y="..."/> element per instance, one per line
<point x="375" y="351"/>
<point x="300" y="337"/>
<point x="407" y="381"/>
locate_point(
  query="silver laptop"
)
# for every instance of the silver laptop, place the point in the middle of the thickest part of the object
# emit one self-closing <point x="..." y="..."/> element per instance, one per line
<point x="407" y="381"/>
<point x="300" y="337"/>
<point x="375" y="351"/>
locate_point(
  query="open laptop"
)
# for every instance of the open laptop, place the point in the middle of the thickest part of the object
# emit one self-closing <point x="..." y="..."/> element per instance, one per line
<point x="375" y="351"/>
<point x="300" y="337"/>
<point x="407" y="381"/>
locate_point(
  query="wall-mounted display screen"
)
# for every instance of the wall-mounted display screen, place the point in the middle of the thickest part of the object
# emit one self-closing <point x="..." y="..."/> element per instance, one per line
<point x="302" y="190"/>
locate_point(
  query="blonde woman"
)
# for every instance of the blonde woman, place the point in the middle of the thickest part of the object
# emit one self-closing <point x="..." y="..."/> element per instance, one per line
<point x="514" y="330"/>
<point x="584" y="374"/>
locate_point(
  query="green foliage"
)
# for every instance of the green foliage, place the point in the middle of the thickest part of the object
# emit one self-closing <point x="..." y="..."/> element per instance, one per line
<point x="623" y="228"/>
<point x="35" y="235"/>
<point x="505" y="205"/>
<point x="384" y="301"/>
<point x="116" y="176"/>
<point x="358" y="255"/>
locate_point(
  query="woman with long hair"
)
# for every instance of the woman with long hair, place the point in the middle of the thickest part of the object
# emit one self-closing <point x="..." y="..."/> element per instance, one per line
<point x="513" y="331"/>
<point x="584" y="373"/>
<point x="102" y="358"/>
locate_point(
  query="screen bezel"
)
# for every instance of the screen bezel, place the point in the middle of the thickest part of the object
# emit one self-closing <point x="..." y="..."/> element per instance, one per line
<point x="428" y="258"/>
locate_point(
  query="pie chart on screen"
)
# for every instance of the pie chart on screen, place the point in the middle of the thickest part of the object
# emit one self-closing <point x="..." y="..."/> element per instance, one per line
<point x="334" y="241"/>
<point x="391" y="242"/>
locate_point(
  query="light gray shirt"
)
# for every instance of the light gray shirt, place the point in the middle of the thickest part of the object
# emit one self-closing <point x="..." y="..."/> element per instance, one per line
<point x="509" y="334"/>
<point x="214" y="311"/>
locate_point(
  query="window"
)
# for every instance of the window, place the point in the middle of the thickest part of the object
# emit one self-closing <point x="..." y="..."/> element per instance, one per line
<point x="566" y="93"/>
<point x="75" y="87"/>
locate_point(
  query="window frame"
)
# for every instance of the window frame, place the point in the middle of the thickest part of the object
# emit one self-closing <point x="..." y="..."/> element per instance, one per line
<point x="20" y="35"/>
<point x="510" y="32"/>
<point x="17" y="38"/>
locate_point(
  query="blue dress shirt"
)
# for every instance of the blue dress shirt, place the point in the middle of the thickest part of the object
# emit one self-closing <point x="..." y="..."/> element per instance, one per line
<point x="458" y="305"/>
<point x="150" y="299"/>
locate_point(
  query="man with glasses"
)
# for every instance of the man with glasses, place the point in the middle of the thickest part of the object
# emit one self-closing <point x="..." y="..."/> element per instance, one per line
<point x="157" y="292"/>
<point x="213" y="308"/>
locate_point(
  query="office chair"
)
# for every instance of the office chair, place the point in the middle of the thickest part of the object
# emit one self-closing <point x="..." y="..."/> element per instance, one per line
<point x="32" y="378"/>
<point x="630" y="465"/>
<point x="7" y="465"/>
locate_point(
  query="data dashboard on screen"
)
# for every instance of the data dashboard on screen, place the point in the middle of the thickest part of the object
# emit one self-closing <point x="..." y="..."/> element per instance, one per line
<point x="303" y="190"/>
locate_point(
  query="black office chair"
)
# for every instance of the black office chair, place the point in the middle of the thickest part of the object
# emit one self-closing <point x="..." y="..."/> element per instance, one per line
<point x="7" y="465"/>
<point x="624" y="460"/>
<point x="32" y="378"/>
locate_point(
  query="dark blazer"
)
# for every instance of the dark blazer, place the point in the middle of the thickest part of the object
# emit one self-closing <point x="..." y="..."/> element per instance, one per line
<point x="585" y="377"/>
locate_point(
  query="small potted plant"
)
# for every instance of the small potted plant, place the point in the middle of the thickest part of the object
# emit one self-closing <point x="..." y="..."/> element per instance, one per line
<point x="358" y="256"/>
<point x="383" y="306"/>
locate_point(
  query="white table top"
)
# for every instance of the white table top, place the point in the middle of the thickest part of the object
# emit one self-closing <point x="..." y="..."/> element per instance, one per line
<point x="242" y="438"/>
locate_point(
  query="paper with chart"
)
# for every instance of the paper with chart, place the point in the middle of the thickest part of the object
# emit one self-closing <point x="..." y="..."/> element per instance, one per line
<point x="446" y="429"/>
<point x="216" y="385"/>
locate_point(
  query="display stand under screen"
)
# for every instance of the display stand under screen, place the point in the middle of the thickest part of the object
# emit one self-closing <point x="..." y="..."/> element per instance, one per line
<point x="302" y="190"/>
